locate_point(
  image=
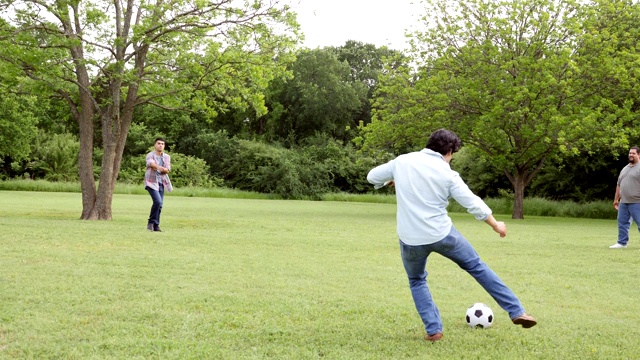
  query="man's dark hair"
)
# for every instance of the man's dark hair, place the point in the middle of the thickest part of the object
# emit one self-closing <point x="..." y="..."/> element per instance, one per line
<point x="636" y="149"/>
<point x="442" y="141"/>
<point x="161" y="139"/>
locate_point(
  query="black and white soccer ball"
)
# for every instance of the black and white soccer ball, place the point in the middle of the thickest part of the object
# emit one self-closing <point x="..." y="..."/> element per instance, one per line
<point x="479" y="315"/>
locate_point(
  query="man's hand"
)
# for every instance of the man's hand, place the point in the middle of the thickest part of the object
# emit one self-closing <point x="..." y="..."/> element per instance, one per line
<point x="497" y="226"/>
<point x="501" y="228"/>
<point x="615" y="204"/>
<point x="160" y="169"/>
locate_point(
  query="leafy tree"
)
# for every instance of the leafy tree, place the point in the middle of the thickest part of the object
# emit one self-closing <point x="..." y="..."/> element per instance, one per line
<point x="18" y="120"/>
<point x="320" y="98"/>
<point x="367" y="62"/>
<point x="519" y="80"/>
<point x="17" y="126"/>
<point x="55" y="157"/>
<point x="105" y="58"/>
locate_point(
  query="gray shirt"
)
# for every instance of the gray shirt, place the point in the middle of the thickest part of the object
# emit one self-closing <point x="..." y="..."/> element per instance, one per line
<point x="159" y="161"/>
<point x="629" y="182"/>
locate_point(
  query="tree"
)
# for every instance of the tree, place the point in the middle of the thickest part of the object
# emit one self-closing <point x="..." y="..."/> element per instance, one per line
<point x="17" y="126"/>
<point x="105" y="58"/>
<point x="320" y="98"/>
<point x="519" y="80"/>
<point x="17" y="121"/>
<point x="367" y="62"/>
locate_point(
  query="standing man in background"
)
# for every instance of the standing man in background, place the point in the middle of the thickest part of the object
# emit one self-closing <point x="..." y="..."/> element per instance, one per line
<point x="424" y="183"/>
<point x="627" y="198"/>
<point x="156" y="181"/>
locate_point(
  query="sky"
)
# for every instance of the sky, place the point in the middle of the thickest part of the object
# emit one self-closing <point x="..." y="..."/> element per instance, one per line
<point x="378" y="22"/>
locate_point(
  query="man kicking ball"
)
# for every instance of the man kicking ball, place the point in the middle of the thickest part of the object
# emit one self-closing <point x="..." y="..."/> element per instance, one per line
<point x="424" y="183"/>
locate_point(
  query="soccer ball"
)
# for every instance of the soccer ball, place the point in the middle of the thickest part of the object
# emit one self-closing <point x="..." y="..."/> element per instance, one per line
<point x="479" y="315"/>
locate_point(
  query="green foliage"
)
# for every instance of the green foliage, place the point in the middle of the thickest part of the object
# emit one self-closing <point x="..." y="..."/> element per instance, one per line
<point x="186" y="171"/>
<point x="139" y="139"/>
<point x="276" y="170"/>
<point x="55" y="157"/>
<point x="536" y="206"/>
<point x="606" y="61"/>
<point x="581" y="178"/>
<point x="214" y="148"/>
<point x="367" y="63"/>
<point x="480" y="174"/>
<point x="397" y="124"/>
<point x="347" y="167"/>
<point x="320" y="98"/>
<point x="104" y="61"/>
<point x="519" y="80"/>
<point x="321" y="165"/>
<point x="132" y="169"/>
<point x="17" y="125"/>
<point x="189" y="171"/>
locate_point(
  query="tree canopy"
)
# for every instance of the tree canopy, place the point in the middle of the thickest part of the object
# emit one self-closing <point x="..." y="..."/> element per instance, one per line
<point x="519" y="80"/>
<point x="105" y="58"/>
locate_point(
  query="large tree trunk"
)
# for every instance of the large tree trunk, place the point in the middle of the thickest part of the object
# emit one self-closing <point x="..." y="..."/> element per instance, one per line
<point x="115" y="127"/>
<point x="115" y="130"/>
<point x="518" y="197"/>
<point x="85" y="161"/>
<point x="84" y="115"/>
<point x="116" y="121"/>
<point x="520" y="180"/>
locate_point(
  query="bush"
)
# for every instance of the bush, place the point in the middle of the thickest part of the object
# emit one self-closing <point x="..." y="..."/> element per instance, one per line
<point x="55" y="157"/>
<point x="321" y="165"/>
<point x="535" y="206"/>
<point x="186" y="171"/>
<point x="132" y="169"/>
<point x="189" y="171"/>
<point x="347" y="168"/>
<point x="275" y="170"/>
<point x="214" y="148"/>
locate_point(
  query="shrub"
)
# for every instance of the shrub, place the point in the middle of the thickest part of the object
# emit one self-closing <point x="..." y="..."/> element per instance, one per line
<point x="55" y="157"/>
<point x="347" y="168"/>
<point x="190" y="171"/>
<point x="132" y="169"/>
<point x="214" y="148"/>
<point x="272" y="169"/>
<point x="186" y="171"/>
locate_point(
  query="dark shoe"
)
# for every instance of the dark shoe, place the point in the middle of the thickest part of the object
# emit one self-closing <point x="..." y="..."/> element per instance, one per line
<point x="527" y="321"/>
<point x="433" y="338"/>
<point x="150" y="227"/>
<point x="157" y="228"/>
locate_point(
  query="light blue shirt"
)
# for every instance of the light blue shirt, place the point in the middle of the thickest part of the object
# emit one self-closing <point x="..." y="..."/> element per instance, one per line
<point x="424" y="183"/>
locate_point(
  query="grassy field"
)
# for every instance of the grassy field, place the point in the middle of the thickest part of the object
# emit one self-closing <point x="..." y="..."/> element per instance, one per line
<point x="258" y="279"/>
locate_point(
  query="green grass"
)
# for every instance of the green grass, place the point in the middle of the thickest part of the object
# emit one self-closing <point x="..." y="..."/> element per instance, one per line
<point x="133" y="189"/>
<point x="532" y="206"/>
<point x="273" y="279"/>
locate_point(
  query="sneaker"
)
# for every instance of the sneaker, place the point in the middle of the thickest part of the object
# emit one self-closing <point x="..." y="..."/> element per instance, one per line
<point x="433" y="338"/>
<point x="617" y="246"/>
<point x="527" y="321"/>
<point x="150" y="227"/>
<point x="157" y="228"/>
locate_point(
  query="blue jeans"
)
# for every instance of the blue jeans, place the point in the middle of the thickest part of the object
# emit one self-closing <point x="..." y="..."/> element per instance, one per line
<point x="158" y="198"/>
<point x="626" y="213"/>
<point x="456" y="248"/>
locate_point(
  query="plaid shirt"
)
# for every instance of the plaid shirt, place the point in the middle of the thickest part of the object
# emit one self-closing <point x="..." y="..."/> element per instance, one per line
<point x="152" y="177"/>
